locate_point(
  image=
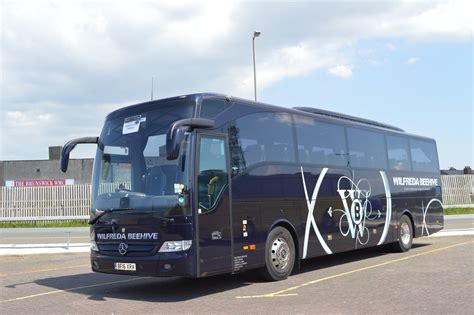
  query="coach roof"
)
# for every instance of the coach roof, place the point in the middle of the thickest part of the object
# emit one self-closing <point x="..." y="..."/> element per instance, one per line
<point x="306" y="111"/>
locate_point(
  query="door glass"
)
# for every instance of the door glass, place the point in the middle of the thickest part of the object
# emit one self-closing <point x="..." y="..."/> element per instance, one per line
<point x="212" y="177"/>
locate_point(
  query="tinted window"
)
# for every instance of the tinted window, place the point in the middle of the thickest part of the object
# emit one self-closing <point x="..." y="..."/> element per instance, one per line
<point x="155" y="151"/>
<point x="210" y="108"/>
<point x="261" y="137"/>
<point x="140" y="152"/>
<point x="366" y="149"/>
<point x="319" y="142"/>
<point x="423" y="156"/>
<point x="398" y="153"/>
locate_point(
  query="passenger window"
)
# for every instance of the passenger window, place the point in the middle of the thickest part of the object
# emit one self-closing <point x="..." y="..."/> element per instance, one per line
<point x="366" y="149"/>
<point x="212" y="177"/>
<point x="424" y="156"/>
<point x="211" y="108"/>
<point x="261" y="137"/>
<point x="320" y="143"/>
<point x="398" y="153"/>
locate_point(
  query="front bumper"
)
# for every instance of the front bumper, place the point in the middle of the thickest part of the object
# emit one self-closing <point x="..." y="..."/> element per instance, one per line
<point x="159" y="265"/>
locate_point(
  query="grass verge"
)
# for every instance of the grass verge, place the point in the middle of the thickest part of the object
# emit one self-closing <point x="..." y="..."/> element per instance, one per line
<point x="44" y="224"/>
<point x="459" y="211"/>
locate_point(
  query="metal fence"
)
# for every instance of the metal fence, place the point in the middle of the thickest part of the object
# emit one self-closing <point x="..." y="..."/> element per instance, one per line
<point x="44" y="203"/>
<point x="73" y="202"/>
<point x="458" y="189"/>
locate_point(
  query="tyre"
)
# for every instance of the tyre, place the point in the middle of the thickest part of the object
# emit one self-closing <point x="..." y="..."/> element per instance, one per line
<point x="279" y="254"/>
<point x="405" y="235"/>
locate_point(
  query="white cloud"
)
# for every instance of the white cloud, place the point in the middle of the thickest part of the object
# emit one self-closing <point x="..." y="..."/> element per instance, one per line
<point x="412" y="60"/>
<point x="291" y="61"/>
<point x="29" y="132"/>
<point x="342" y="71"/>
<point x="66" y="59"/>
<point x="33" y="119"/>
<point x="452" y="19"/>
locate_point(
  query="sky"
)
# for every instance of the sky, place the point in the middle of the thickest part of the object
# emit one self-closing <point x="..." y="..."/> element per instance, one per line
<point x="66" y="64"/>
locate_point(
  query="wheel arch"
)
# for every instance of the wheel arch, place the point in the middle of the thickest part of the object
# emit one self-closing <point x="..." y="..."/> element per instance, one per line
<point x="291" y="228"/>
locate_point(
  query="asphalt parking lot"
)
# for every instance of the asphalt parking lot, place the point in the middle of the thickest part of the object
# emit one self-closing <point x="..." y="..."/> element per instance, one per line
<point x="436" y="276"/>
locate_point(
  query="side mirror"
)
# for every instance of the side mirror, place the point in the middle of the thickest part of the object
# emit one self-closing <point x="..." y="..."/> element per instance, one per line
<point x="69" y="146"/>
<point x="174" y="136"/>
<point x="175" y="133"/>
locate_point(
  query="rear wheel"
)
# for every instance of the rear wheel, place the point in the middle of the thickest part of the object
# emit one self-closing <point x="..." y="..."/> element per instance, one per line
<point x="405" y="235"/>
<point x="279" y="254"/>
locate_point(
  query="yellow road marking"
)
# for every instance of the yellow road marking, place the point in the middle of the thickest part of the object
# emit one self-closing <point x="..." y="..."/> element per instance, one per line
<point x="271" y="296"/>
<point x="274" y="294"/>
<point x="41" y="270"/>
<point x="10" y="258"/>
<point x="72" y="289"/>
<point x="284" y="292"/>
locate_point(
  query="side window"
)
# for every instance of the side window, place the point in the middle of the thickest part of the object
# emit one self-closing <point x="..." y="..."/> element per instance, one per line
<point x="210" y="108"/>
<point x="212" y="177"/>
<point x="319" y="142"/>
<point x="366" y="149"/>
<point x="423" y="156"/>
<point x="398" y="153"/>
<point x="261" y="137"/>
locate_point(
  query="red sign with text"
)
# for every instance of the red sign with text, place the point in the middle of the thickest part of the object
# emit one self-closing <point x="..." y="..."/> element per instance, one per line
<point x="39" y="182"/>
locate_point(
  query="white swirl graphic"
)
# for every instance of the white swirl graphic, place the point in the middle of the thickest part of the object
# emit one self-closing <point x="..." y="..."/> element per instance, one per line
<point x="424" y="227"/>
<point x="354" y="217"/>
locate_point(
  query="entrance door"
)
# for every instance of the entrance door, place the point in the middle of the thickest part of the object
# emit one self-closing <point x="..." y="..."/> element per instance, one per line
<point x="213" y="203"/>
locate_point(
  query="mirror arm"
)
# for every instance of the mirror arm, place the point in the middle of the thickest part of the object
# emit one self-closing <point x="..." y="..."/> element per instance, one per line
<point x="69" y="146"/>
<point x="193" y="123"/>
<point x="82" y="140"/>
<point x="178" y="128"/>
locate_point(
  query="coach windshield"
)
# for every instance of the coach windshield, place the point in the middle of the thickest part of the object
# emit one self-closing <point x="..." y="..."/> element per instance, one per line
<point x="131" y="170"/>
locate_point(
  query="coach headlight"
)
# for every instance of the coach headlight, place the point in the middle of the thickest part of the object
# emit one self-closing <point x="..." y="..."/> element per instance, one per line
<point x="175" y="246"/>
<point x="94" y="247"/>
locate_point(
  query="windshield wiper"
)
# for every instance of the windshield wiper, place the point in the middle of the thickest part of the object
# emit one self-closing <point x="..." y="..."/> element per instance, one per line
<point x="105" y="211"/>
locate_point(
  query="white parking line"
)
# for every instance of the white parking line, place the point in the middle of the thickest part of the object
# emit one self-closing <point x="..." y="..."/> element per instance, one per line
<point x="31" y="249"/>
<point x="454" y="232"/>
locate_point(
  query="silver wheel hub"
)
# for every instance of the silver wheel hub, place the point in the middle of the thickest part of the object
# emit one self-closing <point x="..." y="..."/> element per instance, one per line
<point x="405" y="233"/>
<point x="280" y="253"/>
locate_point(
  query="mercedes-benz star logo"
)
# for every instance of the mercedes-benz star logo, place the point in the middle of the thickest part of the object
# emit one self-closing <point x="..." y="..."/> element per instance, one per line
<point x="123" y="248"/>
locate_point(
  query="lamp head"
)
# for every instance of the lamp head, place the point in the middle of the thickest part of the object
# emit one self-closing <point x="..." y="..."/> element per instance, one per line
<point x="256" y="34"/>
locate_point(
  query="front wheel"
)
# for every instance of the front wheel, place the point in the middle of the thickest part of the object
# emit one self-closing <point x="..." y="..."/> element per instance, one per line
<point x="279" y="254"/>
<point x="405" y="235"/>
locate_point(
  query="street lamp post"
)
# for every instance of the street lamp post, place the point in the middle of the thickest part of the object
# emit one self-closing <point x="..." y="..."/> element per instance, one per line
<point x="152" y="86"/>
<point x="255" y="35"/>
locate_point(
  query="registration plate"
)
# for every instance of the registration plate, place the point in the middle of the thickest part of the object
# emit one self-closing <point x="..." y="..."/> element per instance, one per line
<point x="125" y="266"/>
